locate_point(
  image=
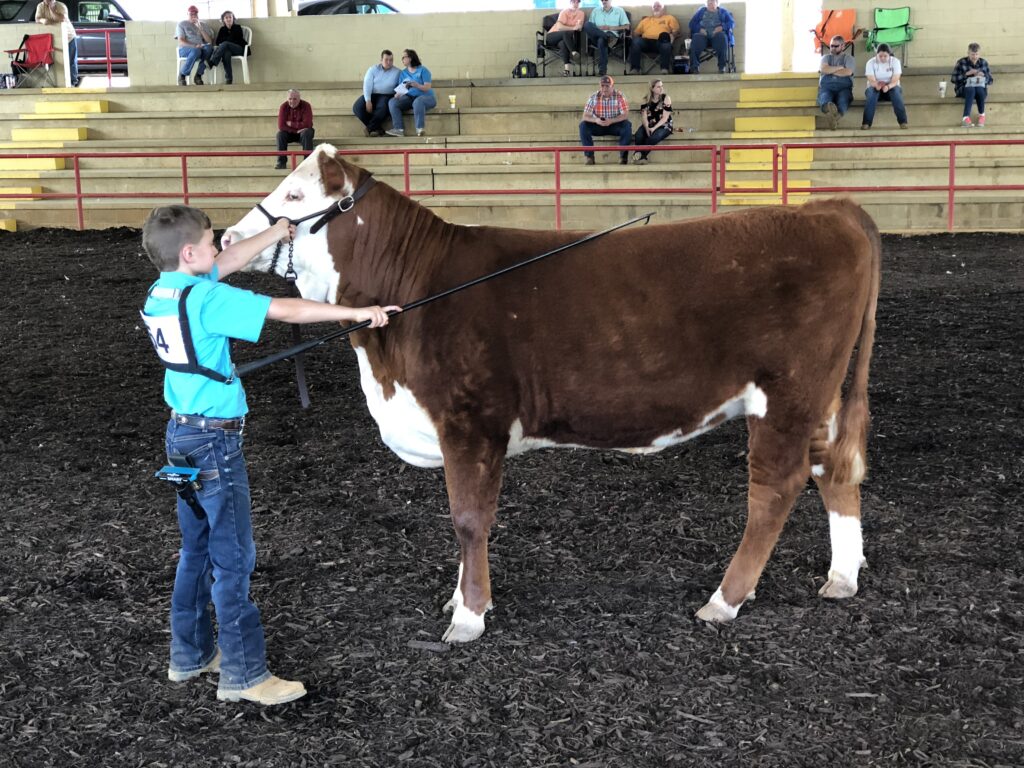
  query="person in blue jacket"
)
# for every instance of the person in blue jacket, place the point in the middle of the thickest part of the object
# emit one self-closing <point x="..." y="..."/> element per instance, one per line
<point x="413" y="92"/>
<point x="711" y="27"/>
<point x="191" y="316"/>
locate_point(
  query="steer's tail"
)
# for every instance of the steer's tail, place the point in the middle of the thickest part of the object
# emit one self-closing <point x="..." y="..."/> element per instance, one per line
<point x="850" y="453"/>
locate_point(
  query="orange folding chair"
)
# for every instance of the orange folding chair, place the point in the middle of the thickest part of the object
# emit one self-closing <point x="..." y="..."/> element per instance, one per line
<point x="836" y="22"/>
<point x="31" y="62"/>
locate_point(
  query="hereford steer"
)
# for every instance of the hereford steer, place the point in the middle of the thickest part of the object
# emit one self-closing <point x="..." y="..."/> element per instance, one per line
<point x="635" y="341"/>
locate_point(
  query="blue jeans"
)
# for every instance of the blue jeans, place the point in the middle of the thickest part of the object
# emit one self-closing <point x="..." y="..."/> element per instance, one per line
<point x="699" y="43"/>
<point x="655" y="137"/>
<point x="218" y="555"/>
<point x="872" y="97"/>
<point x="419" y="105"/>
<point x="974" y="94"/>
<point x="622" y="129"/>
<point x="662" y="46"/>
<point x="373" y="120"/>
<point x="73" y="61"/>
<point x="600" y="40"/>
<point x="191" y="55"/>
<point x="222" y="55"/>
<point x="835" y="90"/>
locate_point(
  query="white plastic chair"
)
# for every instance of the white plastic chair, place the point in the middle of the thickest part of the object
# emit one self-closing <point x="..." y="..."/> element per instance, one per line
<point x="243" y="59"/>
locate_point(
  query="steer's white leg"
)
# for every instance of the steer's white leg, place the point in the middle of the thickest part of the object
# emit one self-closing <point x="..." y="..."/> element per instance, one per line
<point x="847" y="556"/>
<point x="717" y="610"/>
<point x="466" y="626"/>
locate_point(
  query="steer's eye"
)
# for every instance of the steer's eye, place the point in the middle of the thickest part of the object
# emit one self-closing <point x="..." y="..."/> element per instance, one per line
<point x="292" y="197"/>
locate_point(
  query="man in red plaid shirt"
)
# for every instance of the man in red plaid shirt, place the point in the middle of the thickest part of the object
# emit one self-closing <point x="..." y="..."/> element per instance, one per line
<point x="606" y="114"/>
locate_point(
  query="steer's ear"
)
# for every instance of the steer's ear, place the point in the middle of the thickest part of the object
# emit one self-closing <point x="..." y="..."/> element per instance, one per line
<point x="332" y="173"/>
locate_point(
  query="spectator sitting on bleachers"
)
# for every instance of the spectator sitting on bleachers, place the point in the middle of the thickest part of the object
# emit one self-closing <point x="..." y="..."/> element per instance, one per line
<point x="883" y="73"/>
<point x="835" y="87"/>
<point x="654" y="34"/>
<point x="603" y="29"/>
<point x="230" y="42"/>
<point x="565" y="33"/>
<point x="971" y="78"/>
<point x="294" y="125"/>
<point x="195" y="43"/>
<point x="414" y="92"/>
<point x="711" y="26"/>
<point x="378" y="87"/>
<point x="606" y="114"/>
<point x="656" y="120"/>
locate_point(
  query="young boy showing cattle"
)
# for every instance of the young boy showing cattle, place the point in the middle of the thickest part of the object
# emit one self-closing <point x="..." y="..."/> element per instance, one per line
<point x="191" y="315"/>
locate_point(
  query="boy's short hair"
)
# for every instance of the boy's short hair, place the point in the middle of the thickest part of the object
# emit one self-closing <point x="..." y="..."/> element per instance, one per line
<point x="170" y="228"/>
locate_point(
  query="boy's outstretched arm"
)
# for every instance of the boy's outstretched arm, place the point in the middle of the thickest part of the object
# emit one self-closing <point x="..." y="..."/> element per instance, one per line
<point x="305" y="311"/>
<point x="237" y="255"/>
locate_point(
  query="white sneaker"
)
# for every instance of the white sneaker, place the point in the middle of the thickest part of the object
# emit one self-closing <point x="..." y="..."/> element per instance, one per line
<point x="180" y="677"/>
<point x="421" y="131"/>
<point x="273" y="690"/>
<point x="399" y="132"/>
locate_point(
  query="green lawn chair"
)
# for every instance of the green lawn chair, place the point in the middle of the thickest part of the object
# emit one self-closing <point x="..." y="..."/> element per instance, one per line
<point x="892" y="26"/>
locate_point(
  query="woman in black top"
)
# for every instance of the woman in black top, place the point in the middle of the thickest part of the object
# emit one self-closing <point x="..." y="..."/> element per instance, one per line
<point x="655" y="120"/>
<point x="230" y="42"/>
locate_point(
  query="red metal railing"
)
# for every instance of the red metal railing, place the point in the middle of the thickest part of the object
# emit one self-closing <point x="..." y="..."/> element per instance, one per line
<point x="109" y="60"/>
<point x="716" y="169"/>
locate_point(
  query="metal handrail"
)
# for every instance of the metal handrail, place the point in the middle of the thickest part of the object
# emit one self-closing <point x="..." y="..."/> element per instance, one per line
<point x="717" y="154"/>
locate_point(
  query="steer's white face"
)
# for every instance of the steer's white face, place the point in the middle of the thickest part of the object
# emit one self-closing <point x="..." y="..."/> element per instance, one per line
<point x="300" y="194"/>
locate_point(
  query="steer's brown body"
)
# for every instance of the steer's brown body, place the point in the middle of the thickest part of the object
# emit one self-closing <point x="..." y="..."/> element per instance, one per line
<point x="634" y="341"/>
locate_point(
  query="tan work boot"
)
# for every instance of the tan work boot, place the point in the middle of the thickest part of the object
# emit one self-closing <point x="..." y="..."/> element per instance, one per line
<point x="273" y="690"/>
<point x="179" y="677"/>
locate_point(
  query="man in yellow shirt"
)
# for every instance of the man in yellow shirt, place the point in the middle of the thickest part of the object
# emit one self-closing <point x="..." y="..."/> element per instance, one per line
<point x="654" y="33"/>
<point x="52" y="12"/>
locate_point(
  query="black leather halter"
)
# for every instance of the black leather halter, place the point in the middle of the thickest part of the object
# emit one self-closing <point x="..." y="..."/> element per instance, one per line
<point x="344" y="205"/>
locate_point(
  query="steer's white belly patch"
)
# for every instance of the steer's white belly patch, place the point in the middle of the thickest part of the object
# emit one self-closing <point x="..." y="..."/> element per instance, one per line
<point x="405" y="427"/>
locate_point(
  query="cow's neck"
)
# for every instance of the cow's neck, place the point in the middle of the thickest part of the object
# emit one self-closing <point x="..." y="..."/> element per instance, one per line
<point x="387" y="249"/>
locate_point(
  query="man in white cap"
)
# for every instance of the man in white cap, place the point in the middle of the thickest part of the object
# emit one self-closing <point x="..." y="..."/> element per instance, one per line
<point x="195" y="43"/>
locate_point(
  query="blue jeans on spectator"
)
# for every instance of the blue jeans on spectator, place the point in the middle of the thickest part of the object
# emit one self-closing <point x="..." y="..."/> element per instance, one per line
<point x="655" y="137"/>
<point x="191" y="56"/>
<point x="601" y="40"/>
<point x="872" y="97"/>
<point x="222" y="55"/>
<point x="835" y="90"/>
<point x="974" y="94"/>
<point x="622" y="129"/>
<point x="73" y="61"/>
<point x="419" y="106"/>
<point x="373" y="120"/>
<point x="698" y="45"/>
<point x="217" y="559"/>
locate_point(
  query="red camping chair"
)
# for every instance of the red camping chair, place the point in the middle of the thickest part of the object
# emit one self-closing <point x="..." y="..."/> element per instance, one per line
<point x="32" y="60"/>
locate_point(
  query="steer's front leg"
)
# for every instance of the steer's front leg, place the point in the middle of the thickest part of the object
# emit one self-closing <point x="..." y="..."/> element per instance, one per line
<point x="472" y="468"/>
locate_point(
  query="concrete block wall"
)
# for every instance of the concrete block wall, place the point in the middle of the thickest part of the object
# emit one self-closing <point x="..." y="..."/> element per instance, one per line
<point x="947" y="26"/>
<point x="304" y="49"/>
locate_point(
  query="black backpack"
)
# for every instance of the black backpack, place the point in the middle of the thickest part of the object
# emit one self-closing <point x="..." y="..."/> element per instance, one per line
<point x="524" y="68"/>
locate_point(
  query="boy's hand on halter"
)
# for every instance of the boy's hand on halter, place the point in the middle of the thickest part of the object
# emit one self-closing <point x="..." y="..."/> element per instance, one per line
<point x="284" y="229"/>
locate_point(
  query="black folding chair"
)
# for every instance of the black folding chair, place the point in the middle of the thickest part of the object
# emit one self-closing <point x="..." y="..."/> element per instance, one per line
<point x="548" y="52"/>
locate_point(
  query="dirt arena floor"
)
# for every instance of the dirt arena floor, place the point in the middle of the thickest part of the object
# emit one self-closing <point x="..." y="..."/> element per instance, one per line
<point x="592" y="656"/>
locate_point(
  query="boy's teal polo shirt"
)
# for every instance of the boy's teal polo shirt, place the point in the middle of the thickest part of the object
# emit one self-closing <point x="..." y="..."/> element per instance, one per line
<point x="216" y="312"/>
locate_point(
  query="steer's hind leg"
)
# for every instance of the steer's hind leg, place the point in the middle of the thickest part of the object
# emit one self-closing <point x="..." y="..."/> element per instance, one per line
<point x="472" y="470"/>
<point x="778" y="470"/>
<point x="842" y="502"/>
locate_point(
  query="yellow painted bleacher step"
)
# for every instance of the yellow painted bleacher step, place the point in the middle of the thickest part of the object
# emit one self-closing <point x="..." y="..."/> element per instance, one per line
<point x="10" y="225"/>
<point x="72" y="107"/>
<point x="28" y="192"/>
<point x="49" y="134"/>
<point x="765" y="155"/>
<point x="768" y="197"/>
<point x="788" y="123"/>
<point x="32" y="164"/>
<point x="806" y="94"/>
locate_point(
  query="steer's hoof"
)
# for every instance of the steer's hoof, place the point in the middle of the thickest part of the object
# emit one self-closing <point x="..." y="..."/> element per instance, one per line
<point x="466" y="627"/>
<point x="837" y="587"/>
<point x="715" y="613"/>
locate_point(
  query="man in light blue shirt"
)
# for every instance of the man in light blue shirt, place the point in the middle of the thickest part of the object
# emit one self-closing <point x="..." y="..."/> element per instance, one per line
<point x="378" y="86"/>
<point x="603" y="29"/>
